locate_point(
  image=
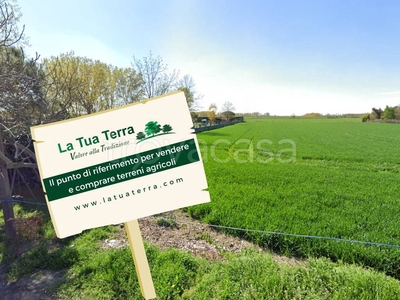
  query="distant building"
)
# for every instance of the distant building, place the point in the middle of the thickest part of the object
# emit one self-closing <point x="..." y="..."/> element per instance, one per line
<point x="217" y="121"/>
<point x="202" y="119"/>
<point x="237" y="119"/>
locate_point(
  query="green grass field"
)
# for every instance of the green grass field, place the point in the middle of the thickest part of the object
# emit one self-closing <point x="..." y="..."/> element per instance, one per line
<point x="324" y="177"/>
<point x="334" y="178"/>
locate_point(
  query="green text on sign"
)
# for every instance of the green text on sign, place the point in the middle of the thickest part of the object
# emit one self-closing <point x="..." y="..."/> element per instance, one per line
<point x="120" y="170"/>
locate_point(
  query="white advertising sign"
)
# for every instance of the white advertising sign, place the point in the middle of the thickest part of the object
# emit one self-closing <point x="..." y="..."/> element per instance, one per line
<point x="120" y="165"/>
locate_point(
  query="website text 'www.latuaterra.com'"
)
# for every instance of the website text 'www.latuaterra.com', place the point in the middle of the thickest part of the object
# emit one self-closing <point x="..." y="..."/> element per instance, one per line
<point x="127" y="194"/>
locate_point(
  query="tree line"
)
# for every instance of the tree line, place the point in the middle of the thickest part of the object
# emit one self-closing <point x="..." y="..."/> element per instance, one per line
<point x="37" y="91"/>
<point x="390" y="113"/>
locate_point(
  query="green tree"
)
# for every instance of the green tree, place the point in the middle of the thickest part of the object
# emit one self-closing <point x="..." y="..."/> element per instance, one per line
<point x="128" y="86"/>
<point x="388" y="113"/>
<point x="64" y="85"/>
<point x="194" y="115"/>
<point x="377" y="112"/>
<point x="366" y="118"/>
<point x="83" y="86"/>
<point x="397" y="112"/>
<point x="166" y="128"/>
<point x="228" y="115"/>
<point x="211" y="116"/>
<point x="97" y="86"/>
<point x="140" y="135"/>
<point x="152" y="128"/>
<point x="189" y="97"/>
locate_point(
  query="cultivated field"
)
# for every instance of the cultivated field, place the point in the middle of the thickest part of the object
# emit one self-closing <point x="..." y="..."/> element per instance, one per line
<point x="310" y="177"/>
<point x="336" y="178"/>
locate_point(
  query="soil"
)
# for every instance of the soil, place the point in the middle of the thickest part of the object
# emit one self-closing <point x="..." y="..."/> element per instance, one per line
<point x="172" y="229"/>
<point x="176" y="229"/>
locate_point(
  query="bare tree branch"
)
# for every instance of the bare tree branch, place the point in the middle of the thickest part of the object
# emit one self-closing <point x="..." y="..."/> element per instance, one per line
<point x="20" y="82"/>
<point x="188" y="86"/>
<point x="9" y="32"/>
<point x="156" y="80"/>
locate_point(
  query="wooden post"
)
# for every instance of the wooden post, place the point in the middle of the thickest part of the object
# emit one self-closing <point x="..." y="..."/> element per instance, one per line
<point x="5" y="194"/>
<point x="140" y="259"/>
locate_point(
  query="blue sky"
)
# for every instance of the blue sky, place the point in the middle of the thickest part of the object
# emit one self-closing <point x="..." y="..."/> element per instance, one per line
<point x="278" y="56"/>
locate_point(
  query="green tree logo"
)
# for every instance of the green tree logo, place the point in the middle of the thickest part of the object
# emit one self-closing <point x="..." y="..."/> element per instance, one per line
<point x="152" y="128"/>
<point x="140" y="135"/>
<point x="166" y="128"/>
